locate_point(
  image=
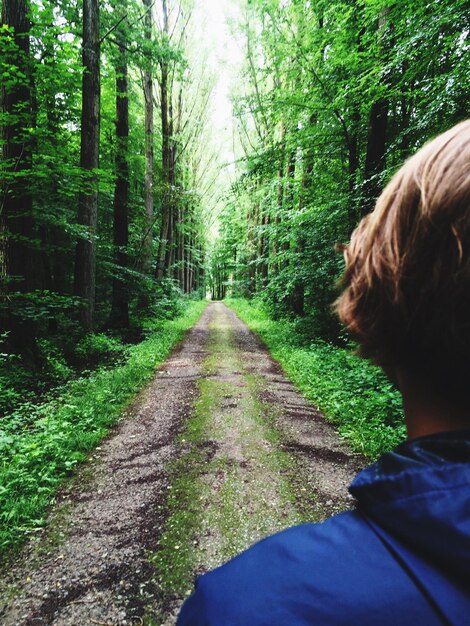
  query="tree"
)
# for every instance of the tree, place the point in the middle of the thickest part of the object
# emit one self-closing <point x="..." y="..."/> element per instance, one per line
<point x="147" y="80"/>
<point x="120" y="293"/>
<point x="376" y="133"/>
<point x="85" y="256"/>
<point x="52" y="116"/>
<point x="333" y="96"/>
<point x="17" y="252"/>
<point x="164" y="250"/>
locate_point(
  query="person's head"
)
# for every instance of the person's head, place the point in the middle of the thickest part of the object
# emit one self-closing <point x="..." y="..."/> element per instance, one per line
<point x="406" y="297"/>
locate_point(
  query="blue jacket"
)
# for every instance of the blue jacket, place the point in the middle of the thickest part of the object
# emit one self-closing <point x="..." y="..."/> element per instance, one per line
<point x="402" y="558"/>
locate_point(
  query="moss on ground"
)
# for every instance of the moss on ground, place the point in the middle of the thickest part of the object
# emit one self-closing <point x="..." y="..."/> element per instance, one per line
<point x="175" y="558"/>
<point x="232" y="483"/>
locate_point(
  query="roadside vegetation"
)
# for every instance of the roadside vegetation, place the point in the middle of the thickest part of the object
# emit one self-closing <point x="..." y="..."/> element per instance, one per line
<point x="351" y="392"/>
<point x="41" y="444"/>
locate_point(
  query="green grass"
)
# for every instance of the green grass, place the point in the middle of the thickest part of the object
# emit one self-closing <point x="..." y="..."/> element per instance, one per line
<point x="40" y="447"/>
<point x="351" y="392"/>
<point x="175" y="558"/>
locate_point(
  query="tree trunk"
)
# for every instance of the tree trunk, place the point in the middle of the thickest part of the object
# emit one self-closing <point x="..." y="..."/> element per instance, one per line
<point x="376" y="134"/>
<point x="273" y="261"/>
<point x="179" y="247"/>
<point x="252" y="272"/>
<point x="265" y="251"/>
<point x="259" y="223"/>
<point x="174" y="222"/>
<point x="170" y="251"/>
<point x="85" y="256"/>
<point x="16" y="219"/>
<point x="57" y="264"/>
<point x="288" y="202"/>
<point x="163" y="258"/>
<point x="201" y="277"/>
<point x="146" y="262"/>
<point x="297" y="298"/>
<point x="375" y="155"/>
<point x="353" y="167"/>
<point x="120" y="296"/>
<point x="189" y="260"/>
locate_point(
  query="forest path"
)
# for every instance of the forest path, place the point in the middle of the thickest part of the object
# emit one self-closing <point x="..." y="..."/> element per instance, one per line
<point x="217" y="452"/>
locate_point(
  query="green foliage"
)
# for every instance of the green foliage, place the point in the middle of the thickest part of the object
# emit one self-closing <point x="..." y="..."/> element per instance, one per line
<point x="351" y="392"/>
<point x="55" y="368"/>
<point x="39" y="305"/>
<point x="50" y="123"/>
<point x="41" y="444"/>
<point x="21" y="384"/>
<point x="166" y="299"/>
<point x="97" y="347"/>
<point x="305" y="109"/>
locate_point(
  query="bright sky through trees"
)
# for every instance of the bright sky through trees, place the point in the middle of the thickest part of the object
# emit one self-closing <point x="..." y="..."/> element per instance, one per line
<point x="224" y="57"/>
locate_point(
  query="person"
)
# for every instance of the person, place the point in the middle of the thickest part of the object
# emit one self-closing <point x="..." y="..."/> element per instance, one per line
<point x="402" y="556"/>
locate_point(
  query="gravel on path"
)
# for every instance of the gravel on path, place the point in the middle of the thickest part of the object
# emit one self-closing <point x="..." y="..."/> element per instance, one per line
<point x="91" y="564"/>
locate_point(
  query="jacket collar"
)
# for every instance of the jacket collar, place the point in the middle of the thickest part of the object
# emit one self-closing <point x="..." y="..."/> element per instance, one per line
<point x="420" y="495"/>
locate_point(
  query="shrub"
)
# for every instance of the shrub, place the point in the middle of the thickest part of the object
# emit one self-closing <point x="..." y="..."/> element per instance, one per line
<point x="97" y="347"/>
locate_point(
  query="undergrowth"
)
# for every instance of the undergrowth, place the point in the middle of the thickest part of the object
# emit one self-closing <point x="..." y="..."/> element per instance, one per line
<point x="351" y="392"/>
<point x="63" y="357"/>
<point x="41" y="444"/>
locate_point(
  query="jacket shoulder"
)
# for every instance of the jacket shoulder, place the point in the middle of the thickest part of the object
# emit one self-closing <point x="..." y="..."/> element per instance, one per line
<point x="334" y="573"/>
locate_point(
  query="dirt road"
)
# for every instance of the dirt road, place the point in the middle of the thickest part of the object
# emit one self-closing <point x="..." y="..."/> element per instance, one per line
<point x="219" y="451"/>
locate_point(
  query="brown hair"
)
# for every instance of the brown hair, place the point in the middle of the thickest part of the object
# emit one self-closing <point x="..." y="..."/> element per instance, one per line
<point x="406" y="296"/>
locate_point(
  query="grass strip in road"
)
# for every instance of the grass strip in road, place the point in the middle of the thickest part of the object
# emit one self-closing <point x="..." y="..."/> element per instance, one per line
<point x="35" y="459"/>
<point x="351" y="392"/>
<point x="175" y="558"/>
<point x="230" y="487"/>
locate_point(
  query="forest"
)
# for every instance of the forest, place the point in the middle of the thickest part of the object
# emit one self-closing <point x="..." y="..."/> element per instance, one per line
<point x="106" y="172"/>
<point x="335" y="95"/>
<point x="126" y="203"/>
<point x="104" y="180"/>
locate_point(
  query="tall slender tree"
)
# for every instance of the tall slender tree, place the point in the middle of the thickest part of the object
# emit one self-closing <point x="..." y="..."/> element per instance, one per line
<point x="147" y="80"/>
<point x="85" y="256"/>
<point x="165" y="112"/>
<point x="120" y="294"/>
<point x="16" y="217"/>
<point x="377" y="128"/>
